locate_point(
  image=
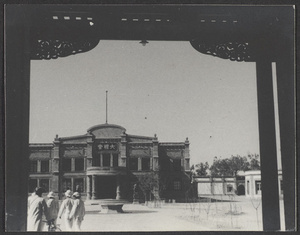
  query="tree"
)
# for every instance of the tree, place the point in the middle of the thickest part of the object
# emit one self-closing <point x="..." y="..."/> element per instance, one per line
<point x="220" y="167"/>
<point x="229" y="166"/>
<point x="201" y="169"/>
<point x="254" y="161"/>
<point x="238" y="163"/>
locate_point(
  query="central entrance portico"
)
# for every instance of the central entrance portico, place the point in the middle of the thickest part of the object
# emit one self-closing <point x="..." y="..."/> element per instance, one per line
<point x="105" y="182"/>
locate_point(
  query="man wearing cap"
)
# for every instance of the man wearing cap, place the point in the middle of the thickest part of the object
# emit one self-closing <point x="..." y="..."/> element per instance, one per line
<point x="66" y="208"/>
<point x="78" y="212"/>
<point x="53" y="208"/>
<point x="36" y="208"/>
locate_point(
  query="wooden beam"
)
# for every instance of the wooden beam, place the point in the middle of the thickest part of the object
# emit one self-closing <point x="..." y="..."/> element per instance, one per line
<point x="17" y="71"/>
<point x="286" y="109"/>
<point x="267" y="142"/>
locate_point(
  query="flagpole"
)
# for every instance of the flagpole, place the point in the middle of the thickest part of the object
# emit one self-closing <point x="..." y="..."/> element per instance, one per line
<point x="106" y="108"/>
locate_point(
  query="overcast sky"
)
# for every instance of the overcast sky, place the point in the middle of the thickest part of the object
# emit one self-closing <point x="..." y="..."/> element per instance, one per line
<point x="163" y="88"/>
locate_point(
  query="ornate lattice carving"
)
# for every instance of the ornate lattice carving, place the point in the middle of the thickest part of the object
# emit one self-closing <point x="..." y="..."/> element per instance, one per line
<point x="52" y="49"/>
<point x="234" y="51"/>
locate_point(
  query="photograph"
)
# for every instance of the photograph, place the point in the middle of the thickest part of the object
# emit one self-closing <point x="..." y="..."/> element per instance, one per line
<point x="149" y="117"/>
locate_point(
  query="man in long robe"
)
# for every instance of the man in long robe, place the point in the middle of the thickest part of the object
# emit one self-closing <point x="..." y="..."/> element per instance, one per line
<point x="65" y="209"/>
<point x="53" y="208"/>
<point x="77" y="212"/>
<point x="37" y="207"/>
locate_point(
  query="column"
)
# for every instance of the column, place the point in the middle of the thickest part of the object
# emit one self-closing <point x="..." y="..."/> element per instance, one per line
<point x="118" y="189"/>
<point x="93" y="187"/>
<point x="123" y="150"/>
<point x="72" y="185"/>
<point x="139" y="164"/>
<point x="17" y="67"/>
<point x="89" y="151"/>
<point x="88" y="187"/>
<point x="101" y="159"/>
<point x="155" y="153"/>
<point x="267" y="142"/>
<point x="38" y="165"/>
<point x="187" y="155"/>
<point x="72" y="164"/>
<point x="286" y="109"/>
<point x="111" y="160"/>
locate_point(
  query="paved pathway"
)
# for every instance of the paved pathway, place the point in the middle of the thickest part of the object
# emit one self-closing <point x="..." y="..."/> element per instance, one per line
<point x="135" y="218"/>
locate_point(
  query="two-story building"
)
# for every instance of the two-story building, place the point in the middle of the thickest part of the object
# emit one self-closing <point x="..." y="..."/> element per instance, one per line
<point x="106" y="162"/>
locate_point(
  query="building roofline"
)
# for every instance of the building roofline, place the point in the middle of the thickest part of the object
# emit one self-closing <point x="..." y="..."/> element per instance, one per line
<point x="105" y="125"/>
<point x="140" y="137"/>
<point x="40" y="145"/>
<point x="73" y="137"/>
<point x="171" y="143"/>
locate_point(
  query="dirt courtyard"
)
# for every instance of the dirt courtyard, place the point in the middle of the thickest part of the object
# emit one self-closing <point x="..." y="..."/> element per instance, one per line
<point x="228" y="214"/>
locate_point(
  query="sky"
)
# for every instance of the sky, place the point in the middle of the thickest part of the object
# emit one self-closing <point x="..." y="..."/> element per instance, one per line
<point x="163" y="88"/>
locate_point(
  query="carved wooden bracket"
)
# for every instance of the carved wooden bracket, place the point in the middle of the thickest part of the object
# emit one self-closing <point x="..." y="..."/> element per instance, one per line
<point x="235" y="51"/>
<point x="53" y="49"/>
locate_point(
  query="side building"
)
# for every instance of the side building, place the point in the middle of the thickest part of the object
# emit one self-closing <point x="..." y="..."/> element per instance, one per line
<point x="107" y="163"/>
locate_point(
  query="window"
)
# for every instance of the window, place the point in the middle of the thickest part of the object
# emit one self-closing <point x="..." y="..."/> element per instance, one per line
<point x="32" y="185"/>
<point x="78" y="185"/>
<point x="145" y="164"/>
<point x="33" y="166"/>
<point x="44" y="183"/>
<point x="66" y="164"/>
<point x="177" y="164"/>
<point x="258" y="187"/>
<point x="106" y="159"/>
<point x="79" y="164"/>
<point x="45" y="166"/>
<point x="66" y="184"/>
<point x="187" y="163"/>
<point x="177" y="185"/>
<point x="229" y="188"/>
<point x="115" y="160"/>
<point x="133" y="164"/>
<point x="96" y="160"/>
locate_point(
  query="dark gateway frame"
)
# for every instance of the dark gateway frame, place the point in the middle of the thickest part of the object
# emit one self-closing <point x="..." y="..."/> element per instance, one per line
<point x="261" y="34"/>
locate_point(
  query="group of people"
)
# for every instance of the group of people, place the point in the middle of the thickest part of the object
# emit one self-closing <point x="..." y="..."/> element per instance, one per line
<point x="72" y="210"/>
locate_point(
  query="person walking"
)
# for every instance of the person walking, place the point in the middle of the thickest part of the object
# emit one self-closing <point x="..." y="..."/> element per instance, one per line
<point x="77" y="212"/>
<point x="37" y="207"/>
<point x="53" y="208"/>
<point x="65" y="209"/>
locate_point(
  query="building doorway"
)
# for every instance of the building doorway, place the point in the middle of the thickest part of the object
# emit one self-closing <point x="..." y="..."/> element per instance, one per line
<point x="106" y="187"/>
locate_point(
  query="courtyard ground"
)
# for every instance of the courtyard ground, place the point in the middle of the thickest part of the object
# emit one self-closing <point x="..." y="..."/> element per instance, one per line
<point x="236" y="213"/>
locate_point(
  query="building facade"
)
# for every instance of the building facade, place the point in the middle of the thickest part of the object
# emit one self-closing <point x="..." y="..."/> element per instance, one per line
<point x="206" y="185"/>
<point x="106" y="162"/>
<point x="253" y="183"/>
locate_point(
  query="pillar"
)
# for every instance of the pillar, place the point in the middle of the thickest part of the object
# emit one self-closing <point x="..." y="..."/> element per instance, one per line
<point x="88" y="187"/>
<point x="55" y="167"/>
<point x="118" y="189"/>
<point x="286" y="110"/>
<point x="186" y="155"/>
<point x="139" y="164"/>
<point x="155" y="153"/>
<point x="38" y="166"/>
<point x="17" y="77"/>
<point x="89" y="152"/>
<point x="267" y="142"/>
<point x="111" y="160"/>
<point x="72" y="164"/>
<point x="123" y="150"/>
<point x="101" y="159"/>
<point x="93" y="187"/>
